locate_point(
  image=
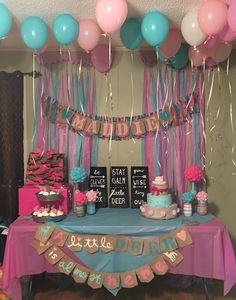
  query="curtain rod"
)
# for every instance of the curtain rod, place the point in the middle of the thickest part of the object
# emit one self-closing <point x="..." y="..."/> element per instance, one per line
<point x="34" y="74"/>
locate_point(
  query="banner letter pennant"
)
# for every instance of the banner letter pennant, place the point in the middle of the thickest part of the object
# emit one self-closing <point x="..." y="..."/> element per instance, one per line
<point x="44" y="232"/>
<point x="91" y="243"/>
<point x="135" y="246"/>
<point x="111" y="280"/>
<point x="107" y="243"/>
<point x="121" y="243"/>
<point x="128" y="279"/>
<point x="41" y="247"/>
<point x="74" y="242"/>
<point x="183" y="237"/>
<point x="173" y="257"/>
<point x="159" y="266"/>
<point x="59" y="237"/>
<point x="95" y="280"/>
<point x="53" y="255"/>
<point x="66" y="265"/>
<point x="145" y="274"/>
<point x="80" y="273"/>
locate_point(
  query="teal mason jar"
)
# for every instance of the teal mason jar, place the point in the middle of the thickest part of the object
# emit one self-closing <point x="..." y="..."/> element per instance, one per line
<point x="91" y="208"/>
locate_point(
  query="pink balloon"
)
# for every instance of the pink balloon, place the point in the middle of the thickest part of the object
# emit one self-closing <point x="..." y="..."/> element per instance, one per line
<point x="221" y="52"/>
<point x="231" y="16"/>
<point x="148" y="57"/>
<point x="210" y="62"/>
<point x="100" y="58"/>
<point x="89" y="34"/>
<point x="227" y="35"/>
<point x="172" y="44"/>
<point x="212" y="16"/>
<point x="212" y="42"/>
<point x="111" y="14"/>
<point x="196" y="57"/>
<point x="204" y="51"/>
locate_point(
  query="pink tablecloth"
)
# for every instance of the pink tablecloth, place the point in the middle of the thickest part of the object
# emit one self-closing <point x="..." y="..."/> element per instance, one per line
<point x="211" y="255"/>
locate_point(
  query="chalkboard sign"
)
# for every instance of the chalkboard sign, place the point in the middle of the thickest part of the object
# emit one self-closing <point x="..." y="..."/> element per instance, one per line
<point x="98" y="182"/>
<point x="119" y="188"/>
<point x="139" y="186"/>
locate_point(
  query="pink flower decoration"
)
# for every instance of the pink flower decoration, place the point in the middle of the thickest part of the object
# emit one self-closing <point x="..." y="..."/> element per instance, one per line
<point x="91" y="196"/>
<point x="202" y="196"/>
<point x="193" y="173"/>
<point x="80" y="198"/>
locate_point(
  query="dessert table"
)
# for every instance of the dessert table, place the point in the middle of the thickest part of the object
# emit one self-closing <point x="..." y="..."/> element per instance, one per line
<point x="211" y="254"/>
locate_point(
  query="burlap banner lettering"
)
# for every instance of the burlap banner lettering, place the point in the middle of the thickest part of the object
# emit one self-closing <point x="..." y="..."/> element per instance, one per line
<point x="49" y="242"/>
<point x="121" y="128"/>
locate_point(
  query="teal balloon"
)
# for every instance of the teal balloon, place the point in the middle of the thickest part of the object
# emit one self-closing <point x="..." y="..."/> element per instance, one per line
<point x="5" y="21"/>
<point x="180" y="59"/>
<point x="65" y="29"/>
<point x="34" y="32"/>
<point x="155" y="28"/>
<point x="130" y="33"/>
<point x="163" y="59"/>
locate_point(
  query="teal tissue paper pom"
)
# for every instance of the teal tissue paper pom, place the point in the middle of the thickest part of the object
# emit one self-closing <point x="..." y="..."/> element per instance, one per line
<point x="187" y="197"/>
<point x="78" y="174"/>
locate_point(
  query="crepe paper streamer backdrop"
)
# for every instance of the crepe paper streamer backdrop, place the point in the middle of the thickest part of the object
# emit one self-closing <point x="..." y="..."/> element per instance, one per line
<point x="169" y="152"/>
<point x="75" y="85"/>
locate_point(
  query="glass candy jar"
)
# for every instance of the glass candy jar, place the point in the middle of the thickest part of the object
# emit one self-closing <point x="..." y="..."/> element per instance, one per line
<point x="202" y="202"/>
<point x="91" y="208"/>
<point x="202" y="207"/>
<point x="80" y="210"/>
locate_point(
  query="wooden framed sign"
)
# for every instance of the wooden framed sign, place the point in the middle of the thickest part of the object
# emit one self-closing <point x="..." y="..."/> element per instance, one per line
<point x="139" y="186"/>
<point x="98" y="183"/>
<point x="119" y="187"/>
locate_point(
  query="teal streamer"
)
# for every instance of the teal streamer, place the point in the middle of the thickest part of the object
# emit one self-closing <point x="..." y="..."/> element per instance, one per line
<point x="79" y="96"/>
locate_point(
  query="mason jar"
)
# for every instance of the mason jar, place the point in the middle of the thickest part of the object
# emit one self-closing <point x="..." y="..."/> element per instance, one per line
<point x="202" y="207"/>
<point x="91" y="208"/>
<point x="80" y="210"/>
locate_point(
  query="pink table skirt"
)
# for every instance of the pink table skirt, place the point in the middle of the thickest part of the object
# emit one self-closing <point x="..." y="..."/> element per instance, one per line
<point x="211" y="255"/>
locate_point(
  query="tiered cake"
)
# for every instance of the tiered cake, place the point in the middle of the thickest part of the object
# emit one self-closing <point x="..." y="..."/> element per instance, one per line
<point x="159" y="203"/>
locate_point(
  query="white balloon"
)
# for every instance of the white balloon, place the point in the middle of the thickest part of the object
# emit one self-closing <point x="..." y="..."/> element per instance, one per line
<point x="190" y="29"/>
<point x="221" y="52"/>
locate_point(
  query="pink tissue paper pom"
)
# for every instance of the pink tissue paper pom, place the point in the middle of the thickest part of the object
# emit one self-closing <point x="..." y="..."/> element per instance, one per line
<point x="91" y="196"/>
<point x="193" y="173"/>
<point x="80" y="198"/>
<point x="202" y="196"/>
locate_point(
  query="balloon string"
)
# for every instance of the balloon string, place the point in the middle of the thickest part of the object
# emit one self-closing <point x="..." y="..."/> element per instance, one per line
<point x="80" y="84"/>
<point x="211" y="88"/>
<point x="109" y="51"/>
<point x="208" y="119"/>
<point x="231" y="116"/>
<point x="166" y="90"/>
<point x="132" y="91"/>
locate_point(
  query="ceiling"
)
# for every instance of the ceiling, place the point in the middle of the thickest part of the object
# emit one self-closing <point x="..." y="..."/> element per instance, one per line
<point x="49" y="9"/>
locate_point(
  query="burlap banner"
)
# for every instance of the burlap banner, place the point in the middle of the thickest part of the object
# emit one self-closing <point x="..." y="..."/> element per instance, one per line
<point x="107" y="243"/>
<point x="121" y="128"/>
<point x="50" y="240"/>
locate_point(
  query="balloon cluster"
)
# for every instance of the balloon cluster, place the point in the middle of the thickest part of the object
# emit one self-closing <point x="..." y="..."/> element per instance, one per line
<point x="208" y="31"/>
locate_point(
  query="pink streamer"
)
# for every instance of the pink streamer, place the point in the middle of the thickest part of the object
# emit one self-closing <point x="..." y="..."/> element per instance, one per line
<point x="182" y="142"/>
<point x="148" y="139"/>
